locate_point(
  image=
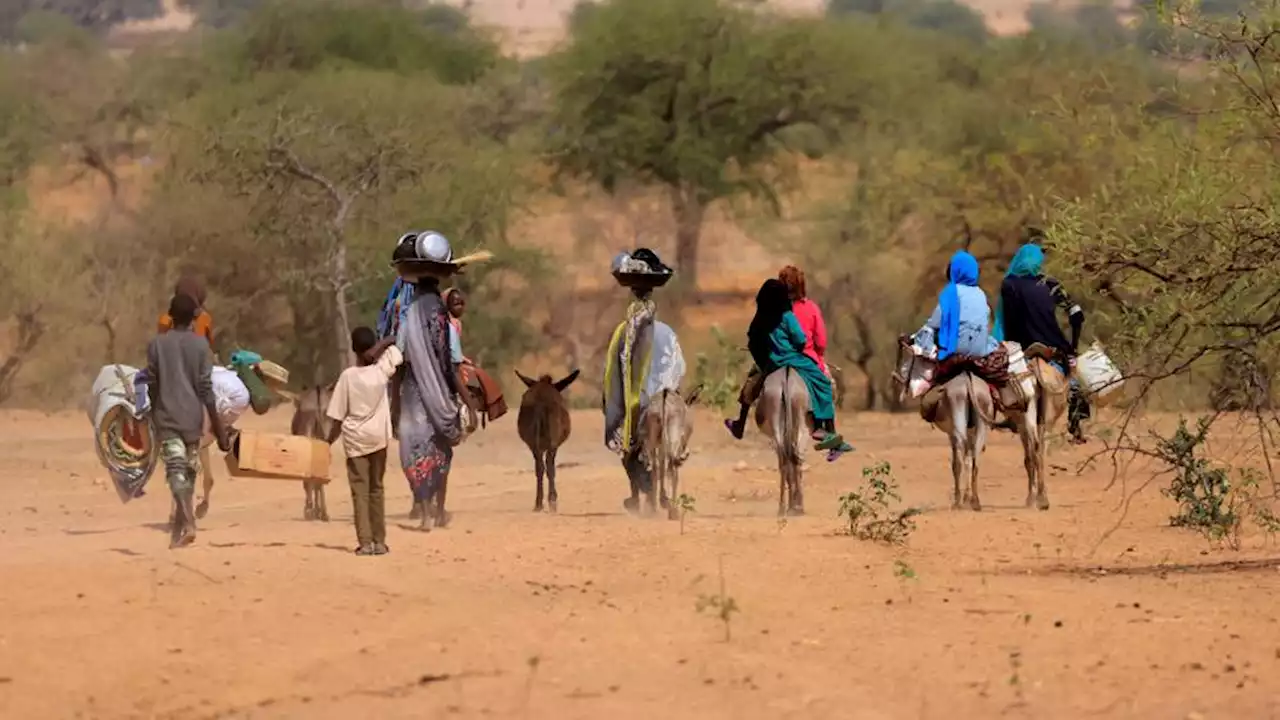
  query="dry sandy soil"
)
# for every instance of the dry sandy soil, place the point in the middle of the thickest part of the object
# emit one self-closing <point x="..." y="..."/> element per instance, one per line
<point x="591" y="613"/>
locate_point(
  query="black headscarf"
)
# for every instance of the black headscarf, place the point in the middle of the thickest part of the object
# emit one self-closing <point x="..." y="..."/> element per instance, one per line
<point x="772" y="302"/>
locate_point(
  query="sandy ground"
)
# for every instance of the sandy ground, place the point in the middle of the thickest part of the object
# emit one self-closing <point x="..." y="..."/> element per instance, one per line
<point x="592" y="613"/>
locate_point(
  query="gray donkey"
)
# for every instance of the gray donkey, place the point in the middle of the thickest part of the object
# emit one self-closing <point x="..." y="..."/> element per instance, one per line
<point x="963" y="409"/>
<point x="782" y="414"/>
<point x="543" y="424"/>
<point x="665" y="429"/>
<point x="309" y="420"/>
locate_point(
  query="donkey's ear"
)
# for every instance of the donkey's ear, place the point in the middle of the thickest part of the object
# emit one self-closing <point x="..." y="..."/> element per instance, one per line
<point x="692" y="397"/>
<point x="567" y="380"/>
<point x="527" y="382"/>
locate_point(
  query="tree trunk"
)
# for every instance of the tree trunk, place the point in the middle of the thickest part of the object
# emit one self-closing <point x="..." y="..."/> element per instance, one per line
<point x="688" y="210"/>
<point x="30" y="330"/>
<point x="342" y="320"/>
<point x="863" y="359"/>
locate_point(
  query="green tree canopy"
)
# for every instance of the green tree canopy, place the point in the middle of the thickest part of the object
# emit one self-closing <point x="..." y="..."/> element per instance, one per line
<point x="690" y="95"/>
<point x="308" y="36"/>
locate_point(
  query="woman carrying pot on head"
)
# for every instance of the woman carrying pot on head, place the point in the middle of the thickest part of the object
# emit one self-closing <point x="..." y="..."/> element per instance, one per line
<point x="644" y="359"/>
<point x="428" y="388"/>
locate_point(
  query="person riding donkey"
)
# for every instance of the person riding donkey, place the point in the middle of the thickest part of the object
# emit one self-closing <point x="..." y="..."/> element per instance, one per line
<point x="809" y="315"/>
<point x="1026" y="314"/>
<point x="776" y="339"/>
<point x="958" y="329"/>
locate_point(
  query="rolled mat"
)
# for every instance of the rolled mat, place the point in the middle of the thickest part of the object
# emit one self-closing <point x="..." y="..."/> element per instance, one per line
<point x="125" y="444"/>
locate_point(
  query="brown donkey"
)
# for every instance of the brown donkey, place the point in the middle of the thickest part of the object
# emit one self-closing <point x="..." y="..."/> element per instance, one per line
<point x="309" y="420"/>
<point x="543" y="424"/>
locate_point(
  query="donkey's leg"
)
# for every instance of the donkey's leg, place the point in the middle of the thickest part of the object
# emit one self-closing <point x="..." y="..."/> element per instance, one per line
<point x="656" y="478"/>
<point x="1042" y="446"/>
<point x="552" y="496"/>
<point x="539" y="469"/>
<point x="322" y="504"/>
<point x="1028" y="434"/>
<point x="657" y="474"/>
<point x="959" y="447"/>
<point x="784" y="482"/>
<point x="979" y="444"/>
<point x="796" y="504"/>
<point x="309" y="505"/>
<point x="206" y="477"/>
<point x="673" y="508"/>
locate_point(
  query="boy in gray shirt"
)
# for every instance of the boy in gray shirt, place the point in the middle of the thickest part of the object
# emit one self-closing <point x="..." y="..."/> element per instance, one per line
<point x="181" y="389"/>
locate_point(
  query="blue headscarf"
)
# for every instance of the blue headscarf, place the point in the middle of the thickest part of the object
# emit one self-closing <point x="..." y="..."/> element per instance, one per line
<point x="395" y="308"/>
<point x="963" y="271"/>
<point x="1027" y="262"/>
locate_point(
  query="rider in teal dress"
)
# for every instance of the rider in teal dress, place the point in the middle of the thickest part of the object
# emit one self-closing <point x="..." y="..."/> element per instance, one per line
<point x="775" y="341"/>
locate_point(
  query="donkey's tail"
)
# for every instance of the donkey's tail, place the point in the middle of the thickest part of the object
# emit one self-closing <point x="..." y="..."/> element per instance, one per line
<point x="789" y="443"/>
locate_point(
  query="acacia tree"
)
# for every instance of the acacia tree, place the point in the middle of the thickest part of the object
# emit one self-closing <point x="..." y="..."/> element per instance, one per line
<point x="314" y="159"/>
<point x="691" y="95"/>
<point x="289" y="192"/>
<point x="1187" y="239"/>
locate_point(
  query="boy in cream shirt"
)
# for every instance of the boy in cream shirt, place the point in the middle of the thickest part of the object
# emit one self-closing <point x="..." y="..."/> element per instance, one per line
<point x="361" y="411"/>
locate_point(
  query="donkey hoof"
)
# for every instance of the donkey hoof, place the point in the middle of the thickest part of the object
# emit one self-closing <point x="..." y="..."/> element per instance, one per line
<point x="551" y="507"/>
<point x="323" y="516"/>
<point x="631" y="505"/>
<point x="202" y="509"/>
<point x="795" y="511"/>
<point x="975" y="504"/>
<point x="1042" y="503"/>
<point x="665" y="503"/>
<point x="673" y="514"/>
<point x="537" y="507"/>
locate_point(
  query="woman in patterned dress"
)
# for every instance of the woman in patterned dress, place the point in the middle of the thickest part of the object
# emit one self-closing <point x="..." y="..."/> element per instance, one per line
<point x="429" y="426"/>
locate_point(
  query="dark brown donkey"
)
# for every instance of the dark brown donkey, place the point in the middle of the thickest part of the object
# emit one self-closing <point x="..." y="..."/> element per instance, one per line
<point x="543" y="424"/>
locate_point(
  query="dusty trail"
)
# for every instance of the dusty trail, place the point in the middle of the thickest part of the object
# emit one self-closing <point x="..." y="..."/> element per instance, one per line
<point x="592" y="614"/>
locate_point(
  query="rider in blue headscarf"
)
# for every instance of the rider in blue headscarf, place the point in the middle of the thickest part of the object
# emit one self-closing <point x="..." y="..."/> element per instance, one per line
<point x="958" y="325"/>
<point x="1027" y="263"/>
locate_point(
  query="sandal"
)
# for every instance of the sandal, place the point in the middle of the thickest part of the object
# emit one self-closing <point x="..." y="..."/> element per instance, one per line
<point x="834" y="453"/>
<point x="830" y="442"/>
<point x="366" y="549"/>
<point x="380" y="549"/>
<point x="734" y="429"/>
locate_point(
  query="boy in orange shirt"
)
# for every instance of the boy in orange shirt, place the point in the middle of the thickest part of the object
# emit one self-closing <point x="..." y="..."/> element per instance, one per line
<point x="191" y="286"/>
